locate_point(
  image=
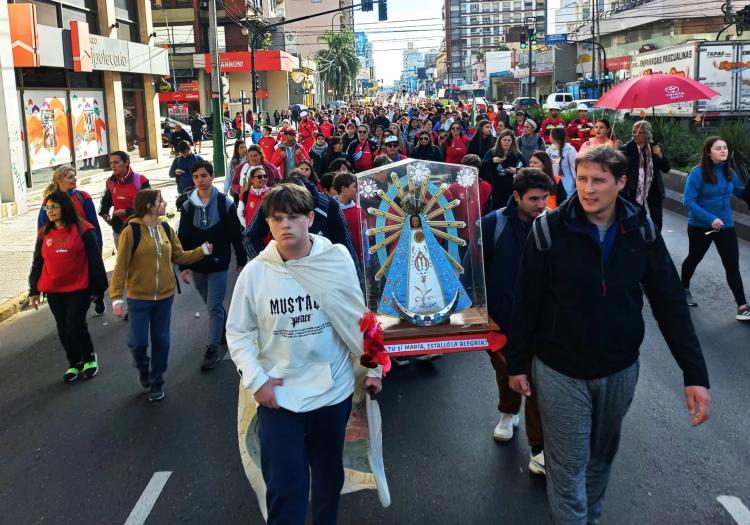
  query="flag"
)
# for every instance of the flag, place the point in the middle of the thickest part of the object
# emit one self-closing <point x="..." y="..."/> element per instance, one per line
<point x="473" y="115"/>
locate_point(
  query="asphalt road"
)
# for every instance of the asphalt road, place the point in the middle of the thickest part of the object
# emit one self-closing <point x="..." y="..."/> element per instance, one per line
<point x="84" y="453"/>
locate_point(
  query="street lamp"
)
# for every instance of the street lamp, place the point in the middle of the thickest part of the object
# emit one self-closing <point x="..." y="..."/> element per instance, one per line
<point x="341" y="20"/>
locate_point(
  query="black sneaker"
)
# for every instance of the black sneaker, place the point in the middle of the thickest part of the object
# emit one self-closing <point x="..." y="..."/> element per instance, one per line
<point x="99" y="307"/>
<point x="71" y="374"/>
<point x="143" y="377"/>
<point x="689" y="298"/>
<point x="156" y="394"/>
<point x="210" y="359"/>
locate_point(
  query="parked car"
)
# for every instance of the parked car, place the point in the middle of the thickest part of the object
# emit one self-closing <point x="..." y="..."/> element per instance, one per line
<point x="588" y="102"/>
<point x="529" y="102"/>
<point x="560" y="99"/>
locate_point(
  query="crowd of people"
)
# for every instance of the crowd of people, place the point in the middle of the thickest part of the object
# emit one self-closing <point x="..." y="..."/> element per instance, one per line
<point x="571" y="221"/>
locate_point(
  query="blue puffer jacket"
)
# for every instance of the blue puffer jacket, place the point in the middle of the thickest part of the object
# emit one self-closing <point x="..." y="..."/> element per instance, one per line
<point x="185" y="164"/>
<point x="706" y="201"/>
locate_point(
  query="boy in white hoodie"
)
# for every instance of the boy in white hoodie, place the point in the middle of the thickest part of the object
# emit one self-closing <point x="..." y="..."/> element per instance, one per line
<point x="293" y="332"/>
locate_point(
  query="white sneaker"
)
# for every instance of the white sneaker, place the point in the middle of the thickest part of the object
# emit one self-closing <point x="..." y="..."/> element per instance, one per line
<point x="536" y="464"/>
<point x="504" y="429"/>
<point x="743" y="315"/>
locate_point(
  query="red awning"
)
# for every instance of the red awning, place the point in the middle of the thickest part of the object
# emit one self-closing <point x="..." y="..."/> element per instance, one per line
<point x="237" y="61"/>
<point x="178" y="96"/>
<point x="617" y="63"/>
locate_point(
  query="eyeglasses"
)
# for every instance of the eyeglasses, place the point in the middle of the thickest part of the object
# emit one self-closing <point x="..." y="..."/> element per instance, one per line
<point x="362" y="132"/>
<point x="48" y="207"/>
<point x="264" y="176"/>
<point x="424" y="138"/>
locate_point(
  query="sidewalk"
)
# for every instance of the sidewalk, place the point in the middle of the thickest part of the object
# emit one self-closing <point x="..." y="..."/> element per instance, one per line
<point x="19" y="233"/>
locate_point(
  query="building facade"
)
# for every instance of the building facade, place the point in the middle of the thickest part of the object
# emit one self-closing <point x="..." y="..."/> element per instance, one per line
<point x="78" y="82"/>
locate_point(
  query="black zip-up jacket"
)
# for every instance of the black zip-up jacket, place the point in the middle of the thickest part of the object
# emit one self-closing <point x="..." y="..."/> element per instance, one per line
<point x="582" y="315"/>
<point x="207" y="225"/>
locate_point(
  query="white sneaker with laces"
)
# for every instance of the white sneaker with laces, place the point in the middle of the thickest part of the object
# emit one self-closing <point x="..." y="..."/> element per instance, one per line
<point x="504" y="429"/>
<point x="536" y="464"/>
<point x="743" y="315"/>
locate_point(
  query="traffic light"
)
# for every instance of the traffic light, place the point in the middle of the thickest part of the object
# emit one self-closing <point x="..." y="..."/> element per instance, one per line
<point x="366" y="5"/>
<point x="523" y="40"/>
<point x="532" y="36"/>
<point x="382" y="10"/>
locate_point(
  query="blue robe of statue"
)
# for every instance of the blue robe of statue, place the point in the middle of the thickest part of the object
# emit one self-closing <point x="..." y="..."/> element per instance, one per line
<point x="420" y="277"/>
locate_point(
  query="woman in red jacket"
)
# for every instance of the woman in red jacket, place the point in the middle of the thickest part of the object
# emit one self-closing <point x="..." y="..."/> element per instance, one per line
<point x="456" y="145"/>
<point x="68" y="268"/>
<point x="252" y="194"/>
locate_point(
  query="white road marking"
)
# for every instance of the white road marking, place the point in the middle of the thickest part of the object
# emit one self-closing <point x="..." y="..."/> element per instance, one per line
<point x="147" y="500"/>
<point x="739" y="512"/>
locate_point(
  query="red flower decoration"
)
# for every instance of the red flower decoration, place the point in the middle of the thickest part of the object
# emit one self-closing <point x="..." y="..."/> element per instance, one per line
<point x="374" y="352"/>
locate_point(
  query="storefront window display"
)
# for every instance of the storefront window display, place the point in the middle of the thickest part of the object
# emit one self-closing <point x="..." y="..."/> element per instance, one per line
<point x="47" y="131"/>
<point x="89" y="129"/>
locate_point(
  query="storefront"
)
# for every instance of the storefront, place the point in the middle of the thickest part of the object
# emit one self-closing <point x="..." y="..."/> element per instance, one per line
<point x="76" y="90"/>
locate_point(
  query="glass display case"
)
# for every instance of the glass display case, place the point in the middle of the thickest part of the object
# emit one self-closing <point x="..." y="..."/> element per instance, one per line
<point x="422" y="254"/>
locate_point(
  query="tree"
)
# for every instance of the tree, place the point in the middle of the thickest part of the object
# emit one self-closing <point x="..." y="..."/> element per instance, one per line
<point x="338" y="65"/>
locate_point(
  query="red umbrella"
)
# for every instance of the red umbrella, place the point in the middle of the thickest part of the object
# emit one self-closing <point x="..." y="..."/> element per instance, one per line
<point x="654" y="90"/>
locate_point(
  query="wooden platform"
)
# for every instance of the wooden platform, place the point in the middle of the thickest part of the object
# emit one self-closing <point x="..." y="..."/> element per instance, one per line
<point x="470" y="321"/>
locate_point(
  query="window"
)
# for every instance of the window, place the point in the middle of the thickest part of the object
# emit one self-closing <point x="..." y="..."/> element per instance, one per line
<point x="126" y="10"/>
<point x="89" y="17"/>
<point x="85" y="80"/>
<point x="46" y="14"/>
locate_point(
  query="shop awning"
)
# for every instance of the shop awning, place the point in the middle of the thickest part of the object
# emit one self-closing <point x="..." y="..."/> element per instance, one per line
<point x="238" y="61"/>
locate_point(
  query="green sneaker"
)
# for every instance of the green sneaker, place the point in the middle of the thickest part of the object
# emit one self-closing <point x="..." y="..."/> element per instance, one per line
<point x="90" y="369"/>
<point x="71" y="374"/>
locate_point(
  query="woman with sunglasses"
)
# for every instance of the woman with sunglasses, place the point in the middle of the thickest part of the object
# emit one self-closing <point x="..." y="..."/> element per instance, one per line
<point x="424" y="149"/>
<point x="68" y="268"/>
<point x="255" y="158"/>
<point x="362" y="151"/>
<point x="252" y="195"/>
<point x="456" y="145"/>
<point x="64" y="179"/>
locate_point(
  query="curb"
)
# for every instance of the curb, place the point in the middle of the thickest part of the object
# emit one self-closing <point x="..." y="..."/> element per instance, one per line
<point x="20" y="302"/>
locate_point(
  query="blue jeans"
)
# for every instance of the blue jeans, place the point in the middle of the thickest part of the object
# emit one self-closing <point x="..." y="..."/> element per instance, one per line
<point x="582" y="421"/>
<point x="155" y="317"/>
<point x="213" y="288"/>
<point x="295" y="447"/>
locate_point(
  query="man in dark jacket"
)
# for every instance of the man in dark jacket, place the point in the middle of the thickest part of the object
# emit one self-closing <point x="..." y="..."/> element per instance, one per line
<point x="329" y="222"/>
<point x="209" y="216"/>
<point x="178" y="135"/>
<point x="577" y="310"/>
<point x="504" y="232"/>
<point x="381" y="120"/>
<point x="646" y="162"/>
<point x="182" y="166"/>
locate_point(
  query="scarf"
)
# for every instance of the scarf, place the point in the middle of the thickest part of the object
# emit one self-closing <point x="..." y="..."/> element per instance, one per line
<point x="319" y="150"/>
<point x="645" y="174"/>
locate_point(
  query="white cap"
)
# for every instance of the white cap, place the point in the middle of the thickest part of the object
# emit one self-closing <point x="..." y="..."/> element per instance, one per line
<point x="583" y="107"/>
<point x="389" y="139"/>
<point x="303" y="114"/>
<point x="553" y="105"/>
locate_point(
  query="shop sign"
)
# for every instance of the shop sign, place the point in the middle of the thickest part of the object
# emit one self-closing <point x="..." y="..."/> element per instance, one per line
<point x="618" y="63"/>
<point x="164" y="86"/>
<point x="109" y="54"/>
<point x="178" y="96"/>
<point x="188" y="86"/>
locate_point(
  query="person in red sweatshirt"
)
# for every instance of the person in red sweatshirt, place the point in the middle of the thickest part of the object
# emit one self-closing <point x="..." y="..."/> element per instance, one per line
<point x="553" y="121"/>
<point x="68" y="268"/>
<point x="456" y="144"/>
<point x="289" y="153"/>
<point x="252" y="195"/>
<point x="326" y="128"/>
<point x="120" y="192"/>
<point x="579" y="130"/>
<point x="346" y="186"/>
<point x="307" y="131"/>
<point x="266" y="142"/>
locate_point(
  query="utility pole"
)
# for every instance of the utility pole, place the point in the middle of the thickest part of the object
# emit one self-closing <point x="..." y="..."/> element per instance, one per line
<point x="531" y="22"/>
<point x="216" y="102"/>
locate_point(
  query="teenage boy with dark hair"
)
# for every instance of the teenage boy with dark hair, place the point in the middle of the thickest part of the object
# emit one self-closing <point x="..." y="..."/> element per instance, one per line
<point x="293" y="329"/>
<point x="577" y="310"/>
<point x="182" y="166"/>
<point x="504" y="232"/>
<point x="345" y="185"/>
<point x="209" y="216"/>
<point x="326" y="182"/>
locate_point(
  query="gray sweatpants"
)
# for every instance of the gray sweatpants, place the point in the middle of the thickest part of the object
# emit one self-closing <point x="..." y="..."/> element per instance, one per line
<point x="582" y="420"/>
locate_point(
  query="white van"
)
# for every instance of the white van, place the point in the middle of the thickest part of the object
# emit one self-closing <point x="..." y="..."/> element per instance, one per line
<point x="559" y="99"/>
